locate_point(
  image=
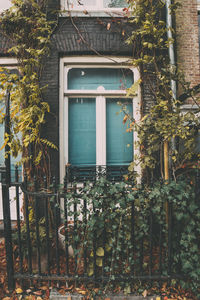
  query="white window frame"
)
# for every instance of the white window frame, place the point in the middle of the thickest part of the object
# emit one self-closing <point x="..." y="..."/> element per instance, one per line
<point x="96" y="10"/>
<point x="68" y="63"/>
<point x="198" y="5"/>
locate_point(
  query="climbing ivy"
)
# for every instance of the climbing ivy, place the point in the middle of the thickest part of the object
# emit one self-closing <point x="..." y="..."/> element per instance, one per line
<point x="121" y="231"/>
<point x="26" y="27"/>
<point x="164" y="122"/>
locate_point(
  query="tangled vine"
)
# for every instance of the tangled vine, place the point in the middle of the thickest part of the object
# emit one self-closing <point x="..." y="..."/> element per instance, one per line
<point x="26" y="26"/>
<point x="164" y="122"/>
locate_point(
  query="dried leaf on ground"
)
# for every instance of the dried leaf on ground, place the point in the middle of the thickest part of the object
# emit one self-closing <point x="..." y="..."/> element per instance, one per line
<point x="19" y="291"/>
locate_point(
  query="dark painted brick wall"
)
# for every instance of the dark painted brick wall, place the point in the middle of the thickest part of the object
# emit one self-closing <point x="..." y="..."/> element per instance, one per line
<point x="78" y="36"/>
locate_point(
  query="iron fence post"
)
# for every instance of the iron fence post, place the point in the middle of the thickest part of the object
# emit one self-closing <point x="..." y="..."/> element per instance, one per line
<point x="6" y="178"/>
<point x="7" y="134"/>
<point x="7" y="231"/>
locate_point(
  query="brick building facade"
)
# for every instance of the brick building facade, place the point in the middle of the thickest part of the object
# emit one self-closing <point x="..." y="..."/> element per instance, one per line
<point x="187" y="33"/>
<point x="86" y="36"/>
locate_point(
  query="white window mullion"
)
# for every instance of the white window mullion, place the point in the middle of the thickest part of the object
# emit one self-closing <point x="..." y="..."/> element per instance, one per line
<point x="136" y="147"/>
<point x="66" y="130"/>
<point x="100" y="130"/>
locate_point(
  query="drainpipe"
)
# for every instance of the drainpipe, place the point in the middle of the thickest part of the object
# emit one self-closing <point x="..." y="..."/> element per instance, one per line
<point x="169" y="27"/>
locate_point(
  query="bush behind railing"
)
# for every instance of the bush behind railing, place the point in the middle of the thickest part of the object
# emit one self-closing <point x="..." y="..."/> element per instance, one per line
<point x="137" y="231"/>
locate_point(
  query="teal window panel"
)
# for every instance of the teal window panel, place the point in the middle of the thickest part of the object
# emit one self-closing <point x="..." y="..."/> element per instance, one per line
<point x="92" y="78"/>
<point x="119" y="143"/>
<point x="82" y="131"/>
<point x="115" y="3"/>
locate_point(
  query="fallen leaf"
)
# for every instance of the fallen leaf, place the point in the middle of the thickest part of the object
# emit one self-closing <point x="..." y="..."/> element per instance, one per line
<point x="69" y="288"/>
<point x="6" y="298"/>
<point x="44" y="288"/>
<point x="38" y="293"/>
<point x="38" y="298"/>
<point x="18" y="291"/>
<point x="144" y="294"/>
<point x="108" y="26"/>
<point x="62" y="292"/>
<point x="80" y="291"/>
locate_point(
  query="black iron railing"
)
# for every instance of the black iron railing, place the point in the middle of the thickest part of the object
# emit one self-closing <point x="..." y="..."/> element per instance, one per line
<point x="56" y="240"/>
<point x="92" y="173"/>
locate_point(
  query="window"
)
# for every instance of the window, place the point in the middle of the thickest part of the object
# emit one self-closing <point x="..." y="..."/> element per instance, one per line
<point x="12" y="65"/>
<point x="96" y="4"/>
<point x="5" y="4"/>
<point x="85" y="7"/>
<point x="198" y="4"/>
<point x="92" y="130"/>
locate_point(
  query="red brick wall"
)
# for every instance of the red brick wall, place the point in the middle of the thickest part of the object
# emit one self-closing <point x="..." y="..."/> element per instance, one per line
<point x="187" y="40"/>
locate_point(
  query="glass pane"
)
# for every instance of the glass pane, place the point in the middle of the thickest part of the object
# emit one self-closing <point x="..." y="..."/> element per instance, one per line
<point x="92" y="78"/>
<point x="119" y="143"/>
<point x="82" y="3"/>
<point x="115" y="3"/>
<point x="82" y="131"/>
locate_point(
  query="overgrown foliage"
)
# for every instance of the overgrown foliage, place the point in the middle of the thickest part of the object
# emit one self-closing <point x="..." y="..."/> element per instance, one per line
<point x="125" y="232"/>
<point x="28" y="30"/>
<point x="165" y="122"/>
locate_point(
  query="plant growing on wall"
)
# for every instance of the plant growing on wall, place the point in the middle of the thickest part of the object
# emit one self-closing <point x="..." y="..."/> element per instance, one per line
<point x="29" y="32"/>
<point x="164" y="123"/>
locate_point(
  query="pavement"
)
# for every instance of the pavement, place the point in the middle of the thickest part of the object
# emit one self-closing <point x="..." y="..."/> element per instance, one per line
<point x="56" y="296"/>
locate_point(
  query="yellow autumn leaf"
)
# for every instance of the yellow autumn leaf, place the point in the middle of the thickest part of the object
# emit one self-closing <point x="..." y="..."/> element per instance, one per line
<point x="108" y="247"/>
<point x="99" y="262"/>
<point x="80" y="291"/>
<point x="90" y="271"/>
<point x="144" y="294"/>
<point x="100" y="251"/>
<point x="19" y="291"/>
<point x="125" y="119"/>
<point x="4" y="144"/>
